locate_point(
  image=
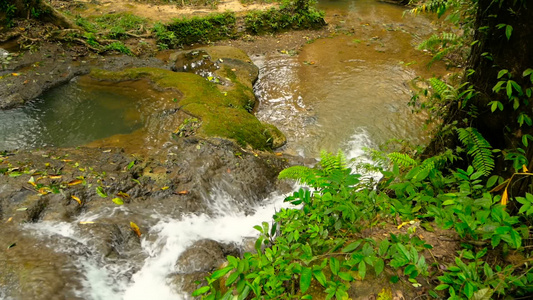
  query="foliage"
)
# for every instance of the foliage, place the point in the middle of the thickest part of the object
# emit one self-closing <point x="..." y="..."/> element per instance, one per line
<point x="113" y="26"/>
<point x="455" y="42"/>
<point x="316" y="249"/>
<point x="120" y="47"/>
<point x="295" y="14"/>
<point x="478" y="148"/>
<point x="199" y="29"/>
<point x="8" y="8"/>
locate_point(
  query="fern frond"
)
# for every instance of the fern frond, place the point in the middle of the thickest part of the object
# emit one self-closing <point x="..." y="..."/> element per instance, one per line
<point x="478" y="147"/>
<point x="330" y="162"/>
<point x="402" y="159"/>
<point x="440" y="88"/>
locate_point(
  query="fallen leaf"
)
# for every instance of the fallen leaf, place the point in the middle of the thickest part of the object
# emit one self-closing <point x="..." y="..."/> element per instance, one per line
<point x="66" y="160"/>
<point x="86" y="222"/>
<point x="22" y="209"/>
<point x="164" y="188"/>
<point x="118" y="201"/>
<point x="15" y="74"/>
<point x="100" y="192"/>
<point x="123" y="195"/>
<point x="107" y="151"/>
<point x="74" y="182"/>
<point x="44" y="190"/>
<point x="11" y="246"/>
<point x="183" y="192"/>
<point x="76" y="198"/>
<point x="54" y="176"/>
<point x="135" y="229"/>
<point x="279" y="154"/>
<point x="26" y="81"/>
<point x="524" y="168"/>
<point x="32" y="181"/>
<point x="9" y="220"/>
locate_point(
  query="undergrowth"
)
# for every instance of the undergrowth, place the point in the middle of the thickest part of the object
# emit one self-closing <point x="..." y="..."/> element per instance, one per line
<point x="317" y="248"/>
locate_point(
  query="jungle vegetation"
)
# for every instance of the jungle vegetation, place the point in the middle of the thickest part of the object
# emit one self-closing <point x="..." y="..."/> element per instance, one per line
<point x="472" y="182"/>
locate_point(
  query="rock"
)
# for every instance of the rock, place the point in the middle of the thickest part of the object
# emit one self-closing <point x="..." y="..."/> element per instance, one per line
<point x="195" y="263"/>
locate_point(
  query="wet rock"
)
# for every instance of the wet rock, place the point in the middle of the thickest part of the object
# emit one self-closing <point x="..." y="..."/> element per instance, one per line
<point x="198" y="261"/>
<point x="32" y="271"/>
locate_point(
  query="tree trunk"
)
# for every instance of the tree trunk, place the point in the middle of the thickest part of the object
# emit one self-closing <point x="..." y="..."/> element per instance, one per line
<point x="495" y="52"/>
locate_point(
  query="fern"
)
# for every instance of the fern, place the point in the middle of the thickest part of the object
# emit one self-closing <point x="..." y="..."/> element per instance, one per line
<point x="330" y="162"/>
<point x="402" y="159"/>
<point x="296" y="173"/>
<point x="477" y="147"/>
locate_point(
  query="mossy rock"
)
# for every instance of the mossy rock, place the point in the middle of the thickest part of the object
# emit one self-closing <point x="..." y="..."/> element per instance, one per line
<point x="224" y="114"/>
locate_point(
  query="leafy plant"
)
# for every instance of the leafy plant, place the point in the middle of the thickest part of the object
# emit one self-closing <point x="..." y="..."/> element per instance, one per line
<point x="478" y="148"/>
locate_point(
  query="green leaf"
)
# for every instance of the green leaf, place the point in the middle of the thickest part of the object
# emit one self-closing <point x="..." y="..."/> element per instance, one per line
<point x="502" y="72"/>
<point x="383" y="247"/>
<point x="483" y="294"/>
<point x="131" y="164"/>
<point x="492" y="181"/>
<point x="441" y="287"/>
<point x="469" y="290"/>
<point x="100" y="192"/>
<point x="320" y="277"/>
<point x="220" y="273"/>
<point x="379" y="266"/>
<point x="362" y="269"/>
<point x="232" y="277"/>
<point x="334" y="265"/>
<point x="509" y="89"/>
<point x="305" y="279"/>
<point x="508" y="31"/>
<point x="118" y="201"/>
<point x="200" y="291"/>
<point x="352" y="246"/>
<point x="346" y="276"/>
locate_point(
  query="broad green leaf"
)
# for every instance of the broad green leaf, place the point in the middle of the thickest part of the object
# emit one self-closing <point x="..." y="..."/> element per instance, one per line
<point x="352" y="246"/>
<point x="508" y="31"/>
<point x="305" y="279"/>
<point x="346" y="276"/>
<point x="362" y="269"/>
<point x="232" y="277"/>
<point x="379" y="266"/>
<point x="320" y="277"/>
<point x="220" y="273"/>
<point x="200" y="291"/>
<point x="334" y="265"/>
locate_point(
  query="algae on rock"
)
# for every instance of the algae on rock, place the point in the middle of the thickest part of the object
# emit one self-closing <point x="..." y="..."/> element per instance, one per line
<point x="224" y="109"/>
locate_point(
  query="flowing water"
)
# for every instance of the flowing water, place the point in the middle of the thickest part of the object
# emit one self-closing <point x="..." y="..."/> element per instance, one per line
<point x="348" y="91"/>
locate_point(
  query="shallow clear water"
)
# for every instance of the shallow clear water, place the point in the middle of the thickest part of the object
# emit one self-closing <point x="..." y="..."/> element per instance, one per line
<point x="69" y="115"/>
<point x="354" y="81"/>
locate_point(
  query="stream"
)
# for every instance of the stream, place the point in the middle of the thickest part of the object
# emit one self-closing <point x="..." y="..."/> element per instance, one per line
<point x="348" y="91"/>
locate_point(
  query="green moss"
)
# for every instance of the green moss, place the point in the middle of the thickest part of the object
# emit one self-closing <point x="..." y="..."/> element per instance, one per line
<point x="223" y="114"/>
